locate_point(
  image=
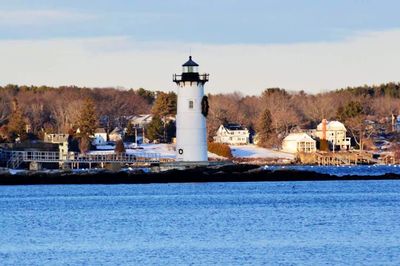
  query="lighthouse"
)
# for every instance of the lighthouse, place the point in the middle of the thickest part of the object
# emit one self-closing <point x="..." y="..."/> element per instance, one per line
<point x="192" y="109"/>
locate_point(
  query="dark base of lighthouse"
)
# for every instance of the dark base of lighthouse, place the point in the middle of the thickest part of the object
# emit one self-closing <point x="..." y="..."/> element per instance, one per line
<point x="187" y="165"/>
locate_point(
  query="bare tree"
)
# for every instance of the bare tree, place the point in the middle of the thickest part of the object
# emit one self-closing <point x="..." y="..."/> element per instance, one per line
<point x="5" y="109"/>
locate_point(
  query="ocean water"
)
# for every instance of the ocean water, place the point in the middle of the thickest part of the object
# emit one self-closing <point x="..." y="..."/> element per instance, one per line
<point x="276" y="223"/>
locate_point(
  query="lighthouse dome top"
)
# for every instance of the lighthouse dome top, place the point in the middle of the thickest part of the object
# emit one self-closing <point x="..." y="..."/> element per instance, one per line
<point x="190" y="73"/>
<point x="190" y="66"/>
<point x="190" y="62"/>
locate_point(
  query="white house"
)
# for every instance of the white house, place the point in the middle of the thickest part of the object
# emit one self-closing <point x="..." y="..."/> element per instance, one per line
<point x="335" y="133"/>
<point x="100" y="137"/>
<point x="299" y="142"/>
<point x="232" y="134"/>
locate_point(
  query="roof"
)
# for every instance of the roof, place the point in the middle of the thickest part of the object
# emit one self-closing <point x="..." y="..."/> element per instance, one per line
<point x="233" y="127"/>
<point x="298" y="137"/>
<point x="116" y="130"/>
<point x="100" y="130"/>
<point x="143" y="118"/>
<point x="333" y="125"/>
<point x="190" y="62"/>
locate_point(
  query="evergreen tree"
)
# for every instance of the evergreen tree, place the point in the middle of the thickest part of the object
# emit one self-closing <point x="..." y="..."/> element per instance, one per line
<point x="351" y="110"/>
<point x="73" y="143"/>
<point x="16" y="126"/>
<point x="147" y="95"/>
<point x="171" y="130"/>
<point x="264" y="127"/>
<point x="130" y="132"/>
<point x="87" y="122"/>
<point x="165" y="106"/>
<point x="155" y="129"/>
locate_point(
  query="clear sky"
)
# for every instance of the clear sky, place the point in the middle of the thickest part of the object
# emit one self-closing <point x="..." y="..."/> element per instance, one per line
<point x="246" y="46"/>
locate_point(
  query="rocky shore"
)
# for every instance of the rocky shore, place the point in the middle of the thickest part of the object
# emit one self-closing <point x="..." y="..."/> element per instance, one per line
<point x="231" y="173"/>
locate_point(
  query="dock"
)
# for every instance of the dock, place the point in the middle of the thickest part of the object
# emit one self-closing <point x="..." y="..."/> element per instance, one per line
<point x="73" y="160"/>
<point x="339" y="158"/>
<point x="15" y="159"/>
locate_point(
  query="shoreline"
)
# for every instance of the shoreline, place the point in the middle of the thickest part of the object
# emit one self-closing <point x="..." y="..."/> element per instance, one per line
<point x="230" y="173"/>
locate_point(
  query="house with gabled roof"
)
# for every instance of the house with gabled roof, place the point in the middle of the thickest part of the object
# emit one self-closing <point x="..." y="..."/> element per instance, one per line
<point x="335" y="133"/>
<point x="299" y="142"/>
<point x="100" y="136"/>
<point x="140" y="121"/>
<point x="232" y="134"/>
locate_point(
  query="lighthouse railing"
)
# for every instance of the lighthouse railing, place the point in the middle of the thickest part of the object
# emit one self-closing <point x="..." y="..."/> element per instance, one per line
<point x="199" y="77"/>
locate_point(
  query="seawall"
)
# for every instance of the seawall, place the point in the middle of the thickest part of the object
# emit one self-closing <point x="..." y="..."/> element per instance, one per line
<point x="232" y="173"/>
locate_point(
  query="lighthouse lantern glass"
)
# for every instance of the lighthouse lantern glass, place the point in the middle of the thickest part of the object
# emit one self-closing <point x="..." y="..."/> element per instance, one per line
<point x="190" y="69"/>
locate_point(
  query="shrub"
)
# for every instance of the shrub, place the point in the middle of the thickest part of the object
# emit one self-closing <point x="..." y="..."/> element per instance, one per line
<point x="220" y="149"/>
<point x="119" y="147"/>
<point x="395" y="149"/>
<point x="84" y="145"/>
<point x="368" y="144"/>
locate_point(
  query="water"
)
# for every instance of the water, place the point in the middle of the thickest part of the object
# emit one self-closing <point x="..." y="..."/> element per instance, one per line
<point x="310" y="223"/>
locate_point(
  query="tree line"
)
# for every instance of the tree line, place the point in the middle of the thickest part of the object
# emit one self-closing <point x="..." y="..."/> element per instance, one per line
<point x="277" y="112"/>
<point x="35" y="110"/>
<point x="272" y="114"/>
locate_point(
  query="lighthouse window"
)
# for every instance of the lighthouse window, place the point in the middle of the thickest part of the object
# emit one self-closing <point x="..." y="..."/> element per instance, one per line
<point x="190" y="69"/>
<point x="191" y="104"/>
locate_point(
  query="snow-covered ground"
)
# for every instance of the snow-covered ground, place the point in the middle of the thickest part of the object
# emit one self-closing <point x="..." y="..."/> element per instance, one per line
<point x="165" y="150"/>
<point x="214" y="156"/>
<point x="243" y="151"/>
<point x="253" y="151"/>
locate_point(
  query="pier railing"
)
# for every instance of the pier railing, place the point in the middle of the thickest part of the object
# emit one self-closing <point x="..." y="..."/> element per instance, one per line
<point x="338" y="158"/>
<point x="16" y="158"/>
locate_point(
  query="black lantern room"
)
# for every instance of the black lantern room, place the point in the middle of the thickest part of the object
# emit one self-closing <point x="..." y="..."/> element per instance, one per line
<point x="190" y="73"/>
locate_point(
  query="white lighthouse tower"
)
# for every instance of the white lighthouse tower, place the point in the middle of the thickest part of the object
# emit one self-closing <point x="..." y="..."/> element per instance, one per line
<point x="191" y="134"/>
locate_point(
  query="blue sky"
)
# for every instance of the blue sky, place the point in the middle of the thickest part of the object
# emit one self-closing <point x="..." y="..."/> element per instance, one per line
<point x="206" y="21"/>
<point x="225" y="29"/>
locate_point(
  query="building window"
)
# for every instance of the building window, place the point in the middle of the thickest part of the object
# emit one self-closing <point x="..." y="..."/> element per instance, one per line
<point x="191" y="104"/>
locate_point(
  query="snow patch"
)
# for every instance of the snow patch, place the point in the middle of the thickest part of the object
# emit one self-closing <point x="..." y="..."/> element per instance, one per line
<point x="165" y="150"/>
<point x="253" y="151"/>
<point x="241" y="151"/>
<point x="215" y="156"/>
